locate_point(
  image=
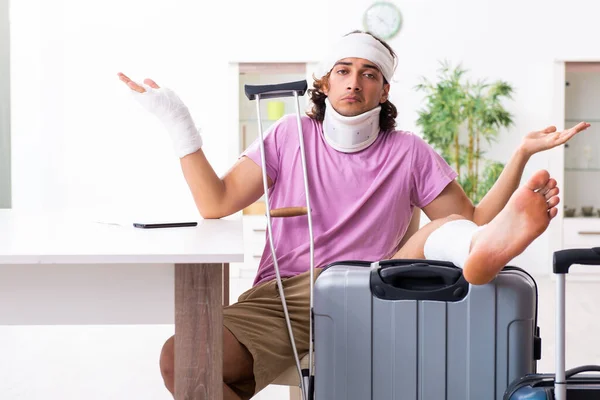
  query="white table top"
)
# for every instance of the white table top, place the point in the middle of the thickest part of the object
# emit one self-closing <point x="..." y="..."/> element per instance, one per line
<point x="60" y="238"/>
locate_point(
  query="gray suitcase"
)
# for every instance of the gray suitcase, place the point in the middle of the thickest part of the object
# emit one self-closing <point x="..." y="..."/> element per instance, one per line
<point x="416" y="330"/>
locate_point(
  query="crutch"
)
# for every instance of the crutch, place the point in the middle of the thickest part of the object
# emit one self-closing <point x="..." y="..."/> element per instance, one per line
<point x="290" y="89"/>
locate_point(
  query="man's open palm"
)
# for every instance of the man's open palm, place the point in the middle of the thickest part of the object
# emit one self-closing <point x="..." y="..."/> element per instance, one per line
<point x="549" y="138"/>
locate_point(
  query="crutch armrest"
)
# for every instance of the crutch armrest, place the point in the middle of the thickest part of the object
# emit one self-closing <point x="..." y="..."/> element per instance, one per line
<point x="277" y="90"/>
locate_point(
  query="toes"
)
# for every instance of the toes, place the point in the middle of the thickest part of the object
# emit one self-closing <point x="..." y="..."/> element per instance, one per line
<point x="551" y="193"/>
<point x="553" y="202"/>
<point x="552" y="212"/>
<point x="538" y="180"/>
<point x="550" y="185"/>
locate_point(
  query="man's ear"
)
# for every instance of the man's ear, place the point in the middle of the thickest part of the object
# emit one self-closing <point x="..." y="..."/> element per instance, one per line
<point x="325" y="84"/>
<point x="386" y="93"/>
<point x="325" y="88"/>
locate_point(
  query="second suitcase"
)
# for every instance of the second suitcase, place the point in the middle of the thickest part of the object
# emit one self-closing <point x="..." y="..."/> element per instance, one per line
<point x="564" y="384"/>
<point x="416" y="330"/>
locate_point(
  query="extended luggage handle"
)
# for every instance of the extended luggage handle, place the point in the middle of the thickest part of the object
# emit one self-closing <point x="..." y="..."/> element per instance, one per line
<point x="584" y="368"/>
<point x="562" y="261"/>
<point x="417" y="280"/>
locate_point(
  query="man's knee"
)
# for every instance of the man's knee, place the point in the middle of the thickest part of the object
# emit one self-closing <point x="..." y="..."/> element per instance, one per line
<point x="237" y="361"/>
<point x="453" y="217"/>
<point x="167" y="363"/>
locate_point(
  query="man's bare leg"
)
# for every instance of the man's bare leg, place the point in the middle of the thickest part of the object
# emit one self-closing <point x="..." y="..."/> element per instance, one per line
<point x="525" y="217"/>
<point x="237" y="364"/>
<point x="229" y="394"/>
<point x="415" y="245"/>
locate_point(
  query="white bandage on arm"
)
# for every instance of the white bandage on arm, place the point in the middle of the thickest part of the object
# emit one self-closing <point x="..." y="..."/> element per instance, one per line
<point x="451" y="242"/>
<point x="174" y="115"/>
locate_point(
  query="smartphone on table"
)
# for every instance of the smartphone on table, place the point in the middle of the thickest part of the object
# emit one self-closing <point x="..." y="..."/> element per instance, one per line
<point x="155" y="225"/>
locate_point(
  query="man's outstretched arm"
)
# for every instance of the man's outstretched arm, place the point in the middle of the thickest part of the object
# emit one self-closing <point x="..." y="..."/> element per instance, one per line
<point x="215" y="197"/>
<point x="453" y="200"/>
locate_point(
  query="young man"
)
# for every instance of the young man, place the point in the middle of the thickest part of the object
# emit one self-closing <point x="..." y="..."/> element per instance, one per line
<point x="365" y="179"/>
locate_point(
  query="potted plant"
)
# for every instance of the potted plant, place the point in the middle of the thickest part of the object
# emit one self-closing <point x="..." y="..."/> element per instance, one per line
<point x="459" y="114"/>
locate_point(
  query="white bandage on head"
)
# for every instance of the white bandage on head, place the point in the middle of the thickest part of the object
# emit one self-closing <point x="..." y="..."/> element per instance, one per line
<point x="451" y="242"/>
<point x="175" y="116"/>
<point x="361" y="45"/>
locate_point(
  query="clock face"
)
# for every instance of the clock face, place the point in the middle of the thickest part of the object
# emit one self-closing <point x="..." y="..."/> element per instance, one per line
<point x="383" y="19"/>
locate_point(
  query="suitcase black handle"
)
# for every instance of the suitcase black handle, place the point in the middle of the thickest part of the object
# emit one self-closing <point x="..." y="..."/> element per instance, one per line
<point x="563" y="259"/>
<point x="419" y="281"/>
<point x="277" y="90"/>
<point x="420" y="276"/>
<point x="584" y="368"/>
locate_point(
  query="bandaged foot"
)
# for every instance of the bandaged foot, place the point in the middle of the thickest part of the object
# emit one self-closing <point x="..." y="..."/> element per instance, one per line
<point x="174" y="115"/>
<point x="483" y="251"/>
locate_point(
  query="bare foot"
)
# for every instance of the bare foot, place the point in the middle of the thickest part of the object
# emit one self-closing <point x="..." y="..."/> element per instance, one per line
<point x="525" y="217"/>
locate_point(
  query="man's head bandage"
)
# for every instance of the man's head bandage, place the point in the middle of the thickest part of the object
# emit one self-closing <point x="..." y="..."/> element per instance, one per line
<point x="362" y="45"/>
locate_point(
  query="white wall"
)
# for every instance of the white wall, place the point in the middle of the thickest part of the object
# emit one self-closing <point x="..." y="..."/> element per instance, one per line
<point x="5" y="186"/>
<point x="81" y="122"/>
<point x="79" y="141"/>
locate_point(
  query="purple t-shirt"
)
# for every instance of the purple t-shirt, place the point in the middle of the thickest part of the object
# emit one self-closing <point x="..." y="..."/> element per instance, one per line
<point x="361" y="202"/>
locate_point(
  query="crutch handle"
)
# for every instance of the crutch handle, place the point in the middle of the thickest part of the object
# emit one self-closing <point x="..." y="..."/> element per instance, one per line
<point x="278" y="90"/>
<point x="289" y="212"/>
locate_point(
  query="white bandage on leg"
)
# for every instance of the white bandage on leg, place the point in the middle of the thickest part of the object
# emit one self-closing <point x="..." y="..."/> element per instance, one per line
<point x="451" y="242"/>
<point x="174" y="115"/>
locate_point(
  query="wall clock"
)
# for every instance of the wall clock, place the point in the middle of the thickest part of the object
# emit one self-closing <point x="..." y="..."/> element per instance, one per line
<point x="383" y="19"/>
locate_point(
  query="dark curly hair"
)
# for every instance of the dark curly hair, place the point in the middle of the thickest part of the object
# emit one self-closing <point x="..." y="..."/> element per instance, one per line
<point x="387" y="118"/>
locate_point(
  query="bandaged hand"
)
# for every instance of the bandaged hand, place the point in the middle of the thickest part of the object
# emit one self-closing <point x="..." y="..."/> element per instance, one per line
<point x="170" y="111"/>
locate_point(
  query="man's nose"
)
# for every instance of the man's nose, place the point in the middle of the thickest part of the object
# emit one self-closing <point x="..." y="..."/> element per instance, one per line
<point x="354" y="83"/>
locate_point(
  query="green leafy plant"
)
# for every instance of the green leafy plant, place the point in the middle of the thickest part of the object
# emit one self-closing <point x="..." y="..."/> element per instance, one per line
<point x="458" y="114"/>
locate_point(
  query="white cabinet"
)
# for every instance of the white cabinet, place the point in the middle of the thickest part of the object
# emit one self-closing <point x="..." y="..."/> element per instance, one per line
<point x="582" y="153"/>
<point x="577" y="164"/>
<point x="255" y="229"/>
<point x="581" y="232"/>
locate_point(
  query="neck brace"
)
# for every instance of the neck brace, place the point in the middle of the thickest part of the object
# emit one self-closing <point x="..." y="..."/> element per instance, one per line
<point x="350" y="134"/>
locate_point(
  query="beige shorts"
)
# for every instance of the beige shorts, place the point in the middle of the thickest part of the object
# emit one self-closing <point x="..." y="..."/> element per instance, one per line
<point x="258" y="322"/>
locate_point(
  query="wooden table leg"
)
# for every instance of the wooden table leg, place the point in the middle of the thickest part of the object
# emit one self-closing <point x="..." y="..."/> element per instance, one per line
<point x="295" y="393"/>
<point x="226" y="284"/>
<point x="198" y="332"/>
